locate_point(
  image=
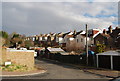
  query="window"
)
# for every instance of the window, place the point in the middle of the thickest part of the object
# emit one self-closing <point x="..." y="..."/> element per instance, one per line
<point x="91" y="39"/>
<point x="77" y="40"/>
<point x="81" y="40"/>
<point x="67" y="39"/>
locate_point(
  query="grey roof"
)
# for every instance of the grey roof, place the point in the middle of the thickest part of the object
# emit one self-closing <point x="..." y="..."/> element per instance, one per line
<point x="65" y="34"/>
<point x="78" y="33"/>
<point x="55" y="49"/>
<point x="64" y="53"/>
<point x="113" y="53"/>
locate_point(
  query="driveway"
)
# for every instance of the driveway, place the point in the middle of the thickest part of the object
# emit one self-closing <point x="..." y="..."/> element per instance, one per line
<point x="56" y="70"/>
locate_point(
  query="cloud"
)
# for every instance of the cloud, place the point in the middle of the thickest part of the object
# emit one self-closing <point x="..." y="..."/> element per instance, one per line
<point x="60" y="0"/>
<point x="34" y="18"/>
<point x="0" y="16"/>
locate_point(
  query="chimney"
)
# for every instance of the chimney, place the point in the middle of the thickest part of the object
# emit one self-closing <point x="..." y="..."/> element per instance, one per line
<point x="116" y="28"/>
<point x="110" y="29"/>
<point x="104" y="31"/>
<point x="74" y="31"/>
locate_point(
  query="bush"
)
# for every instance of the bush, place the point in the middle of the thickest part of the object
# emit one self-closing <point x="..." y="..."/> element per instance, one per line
<point x="100" y="48"/>
<point x="14" y="67"/>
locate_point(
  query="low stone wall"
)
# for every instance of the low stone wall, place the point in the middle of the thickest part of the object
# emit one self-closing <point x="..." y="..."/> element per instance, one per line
<point x="20" y="57"/>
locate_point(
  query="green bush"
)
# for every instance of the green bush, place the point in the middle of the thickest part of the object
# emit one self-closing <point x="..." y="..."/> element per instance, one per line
<point x="100" y="48"/>
<point x="14" y="67"/>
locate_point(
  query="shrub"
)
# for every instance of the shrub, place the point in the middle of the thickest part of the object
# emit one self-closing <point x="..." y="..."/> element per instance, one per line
<point x="14" y="67"/>
<point x="100" y="48"/>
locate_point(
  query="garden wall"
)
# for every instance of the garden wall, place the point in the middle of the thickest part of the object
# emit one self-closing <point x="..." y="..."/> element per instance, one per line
<point x="22" y="57"/>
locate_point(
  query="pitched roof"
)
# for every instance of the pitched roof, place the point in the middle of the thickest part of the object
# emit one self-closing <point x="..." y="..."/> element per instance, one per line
<point x="115" y="32"/>
<point x="65" y="34"/>
<point x="105" y="35"/>
<point x="60" y="34"/>
<point x="70" y="35"/>
<point x="84" y="35"/>
<point x="113" y="53"/>
<point x="77" y="33"/>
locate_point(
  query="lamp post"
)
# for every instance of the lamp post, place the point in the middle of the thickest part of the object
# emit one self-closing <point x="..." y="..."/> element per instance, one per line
<point x="86" y="44"/>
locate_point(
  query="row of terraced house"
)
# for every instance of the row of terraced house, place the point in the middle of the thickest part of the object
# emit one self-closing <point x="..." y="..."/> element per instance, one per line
<point x="76" y="40"/>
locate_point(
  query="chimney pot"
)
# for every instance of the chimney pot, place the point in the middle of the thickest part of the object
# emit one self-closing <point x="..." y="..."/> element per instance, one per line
<point x="104" y="31"/>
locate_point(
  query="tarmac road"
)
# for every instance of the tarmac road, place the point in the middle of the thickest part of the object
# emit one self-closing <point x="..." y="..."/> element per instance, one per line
<point x="56" y="70"/>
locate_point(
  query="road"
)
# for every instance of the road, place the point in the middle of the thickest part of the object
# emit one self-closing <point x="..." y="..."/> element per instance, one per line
<point x="56" y="70"/>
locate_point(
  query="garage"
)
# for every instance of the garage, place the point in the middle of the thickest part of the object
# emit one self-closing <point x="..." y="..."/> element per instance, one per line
<point x="109" y="60"/>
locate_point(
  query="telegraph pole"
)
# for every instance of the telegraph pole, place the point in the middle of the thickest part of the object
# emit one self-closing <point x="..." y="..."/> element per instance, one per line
<point x="86" y="44"/>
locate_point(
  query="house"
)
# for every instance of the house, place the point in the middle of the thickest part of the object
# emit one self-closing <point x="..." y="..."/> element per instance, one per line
<point x="50" y="40"/>
<point x="68" y="40"/>
<point x="116" y="37"/>
<point x="58" y="39"/>
<point x="40" y="37"/>
<point x="67" y="36"/>
<point x="117" y="41"/>
<point x="70" y="43"/>
<point x="109" y="59"/>
<point x="92" y="33"/>
<point x="103" y="38"/>
<point x="45" y="37"/>
<point x="33" y="38"/>
<point x="78" y="39"/>
<point x="108" y="38"/>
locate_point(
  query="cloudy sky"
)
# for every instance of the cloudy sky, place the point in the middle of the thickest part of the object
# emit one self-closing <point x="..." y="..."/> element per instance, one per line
<point x="32" y="18"/>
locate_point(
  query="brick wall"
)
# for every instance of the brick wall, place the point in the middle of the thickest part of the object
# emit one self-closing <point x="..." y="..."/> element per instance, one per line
<point x="2" y="55"/>
<point x="20" y="57"/>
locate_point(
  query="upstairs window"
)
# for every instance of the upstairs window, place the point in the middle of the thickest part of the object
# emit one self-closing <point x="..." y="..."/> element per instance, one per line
<point x="77" y="40"/>
<point x="81" y="40"/>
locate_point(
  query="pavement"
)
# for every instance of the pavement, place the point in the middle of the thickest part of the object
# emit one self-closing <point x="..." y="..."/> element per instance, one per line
<point x="57" y="70"/>
<point x="99" y="71"/>
<point x="12" y="74"/>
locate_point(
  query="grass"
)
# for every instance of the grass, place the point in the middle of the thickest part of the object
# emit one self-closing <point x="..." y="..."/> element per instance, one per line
<point x="14" y="67"/>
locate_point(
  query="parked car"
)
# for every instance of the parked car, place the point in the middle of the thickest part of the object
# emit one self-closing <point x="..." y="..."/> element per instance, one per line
<point x="35" y="54"/>
<point x="23" y="48"/>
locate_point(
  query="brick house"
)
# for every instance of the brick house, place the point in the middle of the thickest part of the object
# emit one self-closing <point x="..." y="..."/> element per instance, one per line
<point x="116" y="37"/>
<point x="110" y="38"/>
<point x="102" y="38"/>
<point x="92" y="33"/>
<point x="117" y="41"/>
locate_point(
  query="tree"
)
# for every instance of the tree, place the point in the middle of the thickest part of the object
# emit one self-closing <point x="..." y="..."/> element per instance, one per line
<point x="16" y="39"/>
<point x="4" y="38"/>
<point x="4" y="34"/>
<point x="28" y="43"/>
<point x="100" y="48"/>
